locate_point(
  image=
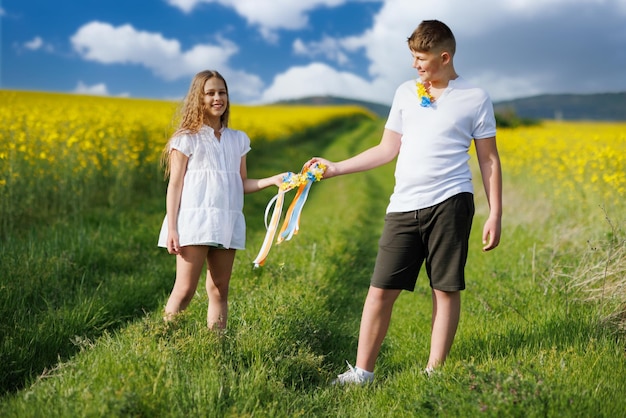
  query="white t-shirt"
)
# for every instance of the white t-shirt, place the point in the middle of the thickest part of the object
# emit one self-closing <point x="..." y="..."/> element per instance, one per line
<point x="211" y="205"/>
<point x="432" y="164"/>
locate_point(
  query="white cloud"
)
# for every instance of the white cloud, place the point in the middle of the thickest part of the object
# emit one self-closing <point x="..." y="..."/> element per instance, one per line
<point x="106" y="44"/>
<point x="318" y="79"/>
<point x="242" y="86"/>
<point x="268" y="15"/>
<point x="186" y="5"/>
<point x="35" y="44"/>
<point x="504" y="87"/>
<point x="2" y="12"/>
<point x="99" y="89"/>
<point x="329" y="48"/>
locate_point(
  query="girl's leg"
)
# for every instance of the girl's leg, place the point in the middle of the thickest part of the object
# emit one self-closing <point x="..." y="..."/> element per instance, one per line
<point x="219" y="269"/>
<point x="446" y="313"/>
<point x="188" y="269"/>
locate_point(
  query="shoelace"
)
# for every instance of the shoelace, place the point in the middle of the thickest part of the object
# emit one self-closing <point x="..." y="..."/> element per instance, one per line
<point x="350" y="366"/>
<point x="352" y="369"/>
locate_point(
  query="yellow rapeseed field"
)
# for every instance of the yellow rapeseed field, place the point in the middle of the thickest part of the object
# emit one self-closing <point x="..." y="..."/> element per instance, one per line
<point x="44" y="129"/>
<point x="60" y="150"/>
<point x="576" y="161"/>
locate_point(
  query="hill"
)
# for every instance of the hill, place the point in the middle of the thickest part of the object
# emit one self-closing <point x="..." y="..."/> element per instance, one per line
<point x="600" y="106"/>
<point x="379" y="109"/>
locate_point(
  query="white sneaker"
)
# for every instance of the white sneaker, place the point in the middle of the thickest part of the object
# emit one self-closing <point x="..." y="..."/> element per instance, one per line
<point x="354" y="376"/>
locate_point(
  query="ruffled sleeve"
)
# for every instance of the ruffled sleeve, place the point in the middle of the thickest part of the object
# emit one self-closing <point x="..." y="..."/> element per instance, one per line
<point x="245" y="143"/>
<point x="182" y="143"/>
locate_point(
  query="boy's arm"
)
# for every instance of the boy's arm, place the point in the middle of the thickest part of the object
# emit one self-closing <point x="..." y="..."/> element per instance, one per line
<point x="491" y="172"/>
<point x="386" y="150"/>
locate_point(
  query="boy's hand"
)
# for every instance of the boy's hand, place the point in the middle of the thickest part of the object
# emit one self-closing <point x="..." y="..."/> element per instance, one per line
<point x="491" y="234"/>
<point x="331" y="168"/>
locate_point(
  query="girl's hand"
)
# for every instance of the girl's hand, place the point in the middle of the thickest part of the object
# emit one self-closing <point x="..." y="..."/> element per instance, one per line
<point x="173" y="245"/>
<point x="277" y="180"/>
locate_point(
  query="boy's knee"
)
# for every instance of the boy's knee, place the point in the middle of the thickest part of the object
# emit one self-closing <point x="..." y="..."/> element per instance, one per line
<point x="382" y="296"/>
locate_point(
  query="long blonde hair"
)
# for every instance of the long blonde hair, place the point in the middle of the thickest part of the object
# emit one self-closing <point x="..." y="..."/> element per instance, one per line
<point x="191" y="112"/>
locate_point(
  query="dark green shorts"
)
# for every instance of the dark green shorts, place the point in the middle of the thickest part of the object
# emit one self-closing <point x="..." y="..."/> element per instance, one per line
<point x="438" y="235"/>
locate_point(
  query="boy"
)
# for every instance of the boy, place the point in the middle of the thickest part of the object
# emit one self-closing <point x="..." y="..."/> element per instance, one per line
<point x="430" y="128"/>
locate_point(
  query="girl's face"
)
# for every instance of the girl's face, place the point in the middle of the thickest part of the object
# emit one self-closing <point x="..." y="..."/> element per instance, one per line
<point x="215" y="98"/>
<point x="427" y="64"/>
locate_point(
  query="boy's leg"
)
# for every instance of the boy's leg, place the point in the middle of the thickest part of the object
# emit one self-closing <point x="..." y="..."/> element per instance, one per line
<point x="188" y="269"/>
<point x="450" y="224"/>
<point x="400" y="256"/>
<point x="445" y="319"/>
<point x="219" y="269"/>
<point x="374" y="325"/>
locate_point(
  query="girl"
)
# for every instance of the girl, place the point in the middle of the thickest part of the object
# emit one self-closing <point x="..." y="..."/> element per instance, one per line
<point x="206" y="165"/>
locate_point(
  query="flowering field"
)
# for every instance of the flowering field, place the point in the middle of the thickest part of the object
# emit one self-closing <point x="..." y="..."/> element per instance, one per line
<point x="62" y="152"/>
<point x="570" y="161"/>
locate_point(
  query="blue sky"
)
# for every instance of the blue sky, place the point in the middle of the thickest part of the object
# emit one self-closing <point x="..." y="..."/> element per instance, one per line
<point x="270" y="50"/>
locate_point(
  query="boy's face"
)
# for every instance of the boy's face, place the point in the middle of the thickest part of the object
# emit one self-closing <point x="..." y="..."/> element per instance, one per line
<point x="429" y="65"/>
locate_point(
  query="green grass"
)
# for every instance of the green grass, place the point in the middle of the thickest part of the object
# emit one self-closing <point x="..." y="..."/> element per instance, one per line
<point x="82" y="301"/>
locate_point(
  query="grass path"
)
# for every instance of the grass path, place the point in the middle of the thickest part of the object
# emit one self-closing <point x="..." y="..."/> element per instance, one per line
<point x="524" y="347"/>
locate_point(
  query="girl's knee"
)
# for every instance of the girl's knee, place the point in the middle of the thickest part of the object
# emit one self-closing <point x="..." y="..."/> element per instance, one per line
<point x="218" y="287"/>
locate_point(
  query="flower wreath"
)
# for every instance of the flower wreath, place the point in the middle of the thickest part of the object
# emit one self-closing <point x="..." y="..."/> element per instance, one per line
<point x="302" y="181"/>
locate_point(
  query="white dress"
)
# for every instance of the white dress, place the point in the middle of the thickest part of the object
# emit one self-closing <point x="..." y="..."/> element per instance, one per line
<point x="211" y="205"/>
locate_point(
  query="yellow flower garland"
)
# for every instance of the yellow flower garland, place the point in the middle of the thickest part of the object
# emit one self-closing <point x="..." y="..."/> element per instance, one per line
<point x="424" y="96"/>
